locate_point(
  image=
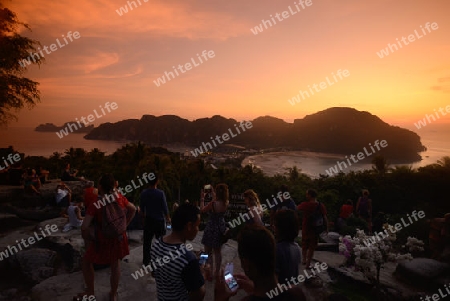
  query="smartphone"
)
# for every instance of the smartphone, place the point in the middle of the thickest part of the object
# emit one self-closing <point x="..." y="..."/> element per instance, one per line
<point x="203" y="258"/>
<point x="231" y="282"/>
<point x="169" y="227"/>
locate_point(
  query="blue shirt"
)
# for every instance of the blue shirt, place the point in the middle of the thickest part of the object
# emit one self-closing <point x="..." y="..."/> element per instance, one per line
<point x="153" y="204"/>
<point x="287" y="261"/>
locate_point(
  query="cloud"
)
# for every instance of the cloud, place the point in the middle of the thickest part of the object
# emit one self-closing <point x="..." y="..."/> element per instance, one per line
<point x="444" y="79"/>
<point x="98" y="18"/>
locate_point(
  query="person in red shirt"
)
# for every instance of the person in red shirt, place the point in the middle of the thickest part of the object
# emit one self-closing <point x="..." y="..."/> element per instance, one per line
<point x="346" y="209"/>
<point x="104" y="250"/>
<point x="310" y="239"/>
<point x="344" y="214"/>
<point x="90" y="194"/>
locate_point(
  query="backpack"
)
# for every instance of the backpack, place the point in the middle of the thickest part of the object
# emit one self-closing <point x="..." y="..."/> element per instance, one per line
<point x="316" y="221"/>
<point x="114" y="220"/>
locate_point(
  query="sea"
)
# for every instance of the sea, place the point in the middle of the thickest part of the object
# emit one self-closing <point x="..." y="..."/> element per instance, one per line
<point x="25" y="140"/>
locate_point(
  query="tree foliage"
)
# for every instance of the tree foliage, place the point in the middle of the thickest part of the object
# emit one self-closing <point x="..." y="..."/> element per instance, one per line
<point x="16" y="91"/>
<point x="394" y="193"/>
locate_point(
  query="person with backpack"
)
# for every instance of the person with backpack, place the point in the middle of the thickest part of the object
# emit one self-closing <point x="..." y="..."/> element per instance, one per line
<point x="314" y="222"/>
<point x="364" y="209"/>
<point x="105" y="229"/>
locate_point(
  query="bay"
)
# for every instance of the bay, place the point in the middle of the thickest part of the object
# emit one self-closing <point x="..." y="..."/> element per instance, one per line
<point x="436" y="138"/>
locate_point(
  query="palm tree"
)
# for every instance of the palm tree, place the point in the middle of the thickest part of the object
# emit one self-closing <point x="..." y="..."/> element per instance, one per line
<point x="444" y="162"/>
<point x="380" y="164"/>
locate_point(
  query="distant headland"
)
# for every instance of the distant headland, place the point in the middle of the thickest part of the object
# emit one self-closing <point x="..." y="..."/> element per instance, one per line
<point x="338" y="130"/>
<point x="50" y="127"/>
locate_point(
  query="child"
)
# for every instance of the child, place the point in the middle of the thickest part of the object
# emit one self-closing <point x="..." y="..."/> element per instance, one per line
<point x="74" y="216"/>
<point x="288" y="255"/>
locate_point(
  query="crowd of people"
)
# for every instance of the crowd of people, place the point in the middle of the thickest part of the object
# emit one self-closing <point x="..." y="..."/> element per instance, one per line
<point x="267" y="259"/>
<point x="268" y="253"/>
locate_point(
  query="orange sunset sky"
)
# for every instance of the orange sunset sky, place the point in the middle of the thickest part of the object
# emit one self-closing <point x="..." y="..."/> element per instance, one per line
<point x="117" y="58"/>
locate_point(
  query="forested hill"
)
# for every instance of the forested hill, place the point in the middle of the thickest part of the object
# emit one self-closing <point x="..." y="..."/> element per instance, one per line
<point x="334" y="130"/>
<point x="50" y="127"/>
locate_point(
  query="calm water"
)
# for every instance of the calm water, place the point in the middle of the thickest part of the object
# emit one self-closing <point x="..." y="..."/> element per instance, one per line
<point x="436" y="138"/>
<point x="26" y="140"/>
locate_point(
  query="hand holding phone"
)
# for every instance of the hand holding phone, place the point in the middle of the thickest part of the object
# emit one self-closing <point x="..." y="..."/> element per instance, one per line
<point x="203" y="258"/>
<point x="229" y="268"/>
<point x="231" y="282"/>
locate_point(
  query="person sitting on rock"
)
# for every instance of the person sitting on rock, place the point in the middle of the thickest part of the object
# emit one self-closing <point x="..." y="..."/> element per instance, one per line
<point x="70" y="175"/>
<point x="63" y="197"/>
<point x="43" y="175"/>
<point x="32" y="182"/>
<point x="74" y="216"/>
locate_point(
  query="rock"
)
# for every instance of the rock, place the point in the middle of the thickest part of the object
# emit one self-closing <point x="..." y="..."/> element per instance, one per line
<point x="314" y="282"/>
<point x="35" y="264"/>
<point x="422" y="271"/>
<point x="35" y="215"/>
<point x="64" y="287"/>
<point x="332" y="237"/>
<point x="68" y="245"/>
<point x="8" y="222"/>
<point x="331" y="247"/>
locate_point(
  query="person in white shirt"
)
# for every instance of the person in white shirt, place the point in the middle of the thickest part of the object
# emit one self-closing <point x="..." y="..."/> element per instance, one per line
<point x="74" y="216"/>
<point x="63" y="197"/>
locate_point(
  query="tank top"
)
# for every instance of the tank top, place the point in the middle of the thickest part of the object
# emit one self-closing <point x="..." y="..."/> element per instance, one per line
<point x="73" y="220"/>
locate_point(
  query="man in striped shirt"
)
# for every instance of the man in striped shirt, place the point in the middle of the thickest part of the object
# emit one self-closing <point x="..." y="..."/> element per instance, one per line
<point x="175" y="267"/>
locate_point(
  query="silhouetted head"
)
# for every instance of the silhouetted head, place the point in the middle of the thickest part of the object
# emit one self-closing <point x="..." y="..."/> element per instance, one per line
<point x="222" y="193"/>
<point x="287" y="225"/>
<point x="311" y="194"/>
<point x="256" y="249"/>
<point x="153" y="179"/>
<point x="251" y="198"/>
<point x="186" y="219"/>
<point x="106" y="184"/>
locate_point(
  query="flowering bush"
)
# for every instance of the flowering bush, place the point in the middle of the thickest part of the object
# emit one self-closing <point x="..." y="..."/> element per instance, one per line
<point x="414" y="245"/>
<point x="368" y="254"/>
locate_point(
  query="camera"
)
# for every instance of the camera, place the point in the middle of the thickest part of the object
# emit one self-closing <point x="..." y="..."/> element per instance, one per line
<point x="208" y="192"/>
